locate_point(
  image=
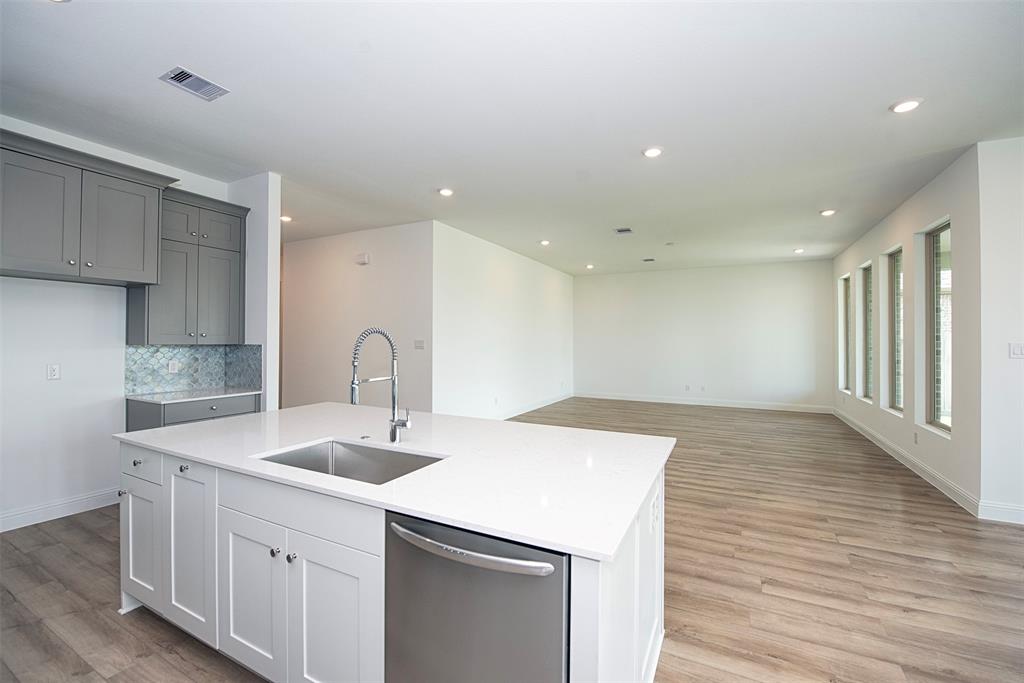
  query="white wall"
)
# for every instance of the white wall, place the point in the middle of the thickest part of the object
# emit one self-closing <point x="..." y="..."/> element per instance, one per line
<point x="328" y="300"/>
<point x="502" y="329"/>
<point x="1001" y="188"/>
<point x="56" y="454"/>
<point x="951" y="461"/>
<point x="747" y="336"/>
<point x="262" y="194"/>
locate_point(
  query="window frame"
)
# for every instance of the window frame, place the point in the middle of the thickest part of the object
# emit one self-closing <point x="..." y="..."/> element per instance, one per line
<point x="846" y="378"/>
<point x="931" y="237"/>
<point x="897" y="350"/>
<point x="867" y="347"/>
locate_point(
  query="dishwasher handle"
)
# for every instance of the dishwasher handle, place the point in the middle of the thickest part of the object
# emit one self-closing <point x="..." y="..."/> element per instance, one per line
<point x="482" y="560"/>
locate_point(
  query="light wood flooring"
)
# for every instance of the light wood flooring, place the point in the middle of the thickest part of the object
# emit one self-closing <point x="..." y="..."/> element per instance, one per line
<point x="795" y="551"/>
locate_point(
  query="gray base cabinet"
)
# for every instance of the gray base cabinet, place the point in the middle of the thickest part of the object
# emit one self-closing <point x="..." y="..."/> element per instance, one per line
<point x="200" y="298"/>
<point x="148" y="415"/>
<point x="72" y="216"/>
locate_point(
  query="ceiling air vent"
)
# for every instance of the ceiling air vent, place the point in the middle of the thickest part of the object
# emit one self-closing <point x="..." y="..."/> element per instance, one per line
<point x="623" y="231"/>
<point x="648" y="260"/>
<point x="197" y="85"/>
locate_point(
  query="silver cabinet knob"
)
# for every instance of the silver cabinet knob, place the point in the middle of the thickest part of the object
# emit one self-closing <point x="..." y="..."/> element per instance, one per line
<point x="122" y="492"/>
<point x="136" y="462"/>
<point x="205" y="236"/>
<point x="88" y="264"/>
<point x="274" y="552"/>
<point x="291" y="557"/>
<point x="213" y="407"/>
<point x="193" y="233"/>
<point x="191" y="334"/>
<point x="202" y="334"/>
<point x="71" y="261"/>
<point x="183" y="468"/>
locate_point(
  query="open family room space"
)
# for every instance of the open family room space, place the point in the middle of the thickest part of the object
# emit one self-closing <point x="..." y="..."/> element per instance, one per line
<point x="503" y="342"/>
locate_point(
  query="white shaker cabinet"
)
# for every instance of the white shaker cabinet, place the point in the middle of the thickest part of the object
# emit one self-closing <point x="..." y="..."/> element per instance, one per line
<point x="335" y="612"/>
<point x="190" y="547"/>
<point x="253" y="592"/>
<point x="142" y="575"/>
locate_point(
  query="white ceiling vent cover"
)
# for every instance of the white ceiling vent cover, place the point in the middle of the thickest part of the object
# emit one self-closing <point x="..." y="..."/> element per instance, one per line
<point x="197" y="85"/>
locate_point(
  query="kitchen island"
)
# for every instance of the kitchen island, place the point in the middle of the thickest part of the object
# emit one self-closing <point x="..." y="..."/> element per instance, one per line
<point x="283" y="567"/>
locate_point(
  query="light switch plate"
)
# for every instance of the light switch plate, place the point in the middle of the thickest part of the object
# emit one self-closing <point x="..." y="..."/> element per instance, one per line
<point x="173" y="366"/>
<point x="419" y="344"/>
<point x="1017" y="350"/>
<point x="53" y="371"/>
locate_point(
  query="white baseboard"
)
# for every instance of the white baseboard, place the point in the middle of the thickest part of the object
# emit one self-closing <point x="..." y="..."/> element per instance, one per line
<point x="952" y="490"/>
<point x="536" y="405"/>
<point x="714" y="402"/>
<point x="1001" y="512"/>
<point x="44" y="512"/>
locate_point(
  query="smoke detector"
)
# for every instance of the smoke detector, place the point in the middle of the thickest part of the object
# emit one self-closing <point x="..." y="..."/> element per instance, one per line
<point x="197" y="85"/>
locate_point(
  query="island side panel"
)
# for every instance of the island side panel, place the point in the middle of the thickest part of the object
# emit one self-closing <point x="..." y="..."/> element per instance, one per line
<point x="617" y="606"/>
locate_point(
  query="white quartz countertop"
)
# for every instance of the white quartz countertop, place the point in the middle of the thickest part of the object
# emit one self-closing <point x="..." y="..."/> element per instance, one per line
<point x="571" y="490"/>
<point x="193" y="394"/>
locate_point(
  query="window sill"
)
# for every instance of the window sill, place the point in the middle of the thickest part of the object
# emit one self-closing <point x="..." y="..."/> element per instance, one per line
<point x="865" y="399"/>
<point x="894" y="412"/>
<point x="937" y="431"/>
<point x="846" y="391"/>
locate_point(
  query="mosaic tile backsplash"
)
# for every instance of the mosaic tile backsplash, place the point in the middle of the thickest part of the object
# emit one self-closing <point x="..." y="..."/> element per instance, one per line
<point x="201" y="367"/>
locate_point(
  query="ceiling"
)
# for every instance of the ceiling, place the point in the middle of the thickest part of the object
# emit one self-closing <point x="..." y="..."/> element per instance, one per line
<point x="537" y="114"/>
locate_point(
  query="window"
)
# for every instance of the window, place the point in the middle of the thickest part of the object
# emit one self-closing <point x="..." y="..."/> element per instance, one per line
<point x="896" y="330"/>
<point x="939" y="256"/>
<point x="868" y="364"/>
<point x="846" y="360"/>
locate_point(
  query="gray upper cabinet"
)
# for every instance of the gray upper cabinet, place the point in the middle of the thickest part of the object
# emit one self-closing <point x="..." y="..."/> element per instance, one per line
<point x="200" y="298"/>
<point x="41" y="213"/>
<point x="220" y="230"/>
<point x="174" y="303"/>
<point x="68" y="215"/>
<point x="220" y="296"/>
<point x="120" y="229"/>
<point x="179" y="222"/>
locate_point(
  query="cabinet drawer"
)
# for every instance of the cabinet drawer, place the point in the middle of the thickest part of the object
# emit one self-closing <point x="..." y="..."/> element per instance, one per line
<point x="141" y="463"/>
<point x="190" y="411"/>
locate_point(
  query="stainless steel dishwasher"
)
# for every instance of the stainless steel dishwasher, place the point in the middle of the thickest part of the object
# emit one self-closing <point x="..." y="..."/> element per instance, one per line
<point x="467" y="608"/>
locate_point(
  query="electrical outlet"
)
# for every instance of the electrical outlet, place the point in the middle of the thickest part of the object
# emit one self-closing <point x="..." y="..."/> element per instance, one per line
<point x="702" y="387"/>
<point x="687" y="387"/>
<point x="173" y="366"/>
<point x="1017" y="350"/>
<point x="53" y="371"/>
<point x="915" y="438"/>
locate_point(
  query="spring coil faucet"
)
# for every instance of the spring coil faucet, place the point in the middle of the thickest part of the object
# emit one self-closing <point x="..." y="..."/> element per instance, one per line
<point x="396" y="423"/>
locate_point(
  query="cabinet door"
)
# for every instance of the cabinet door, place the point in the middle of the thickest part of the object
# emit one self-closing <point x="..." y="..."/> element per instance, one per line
<point x="42" y="213"/>
<point x="173" y="303"/>
<point x="141" y="540"/>
<point x="190" y="554"/>
<point x="252" y="592"/>
<point x="220" y="230"/>
<point x="220" y="296"/>
<point x="120" y="229"/>
<point x="335" y="612"/>
<point x="179" y="222"/>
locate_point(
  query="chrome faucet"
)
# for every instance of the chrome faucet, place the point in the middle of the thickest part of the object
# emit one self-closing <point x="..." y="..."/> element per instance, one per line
<point x="396" y="422"/>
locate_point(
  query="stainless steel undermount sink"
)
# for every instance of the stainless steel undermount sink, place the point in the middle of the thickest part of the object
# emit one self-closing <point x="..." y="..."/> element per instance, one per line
<point x="363" y="463"/>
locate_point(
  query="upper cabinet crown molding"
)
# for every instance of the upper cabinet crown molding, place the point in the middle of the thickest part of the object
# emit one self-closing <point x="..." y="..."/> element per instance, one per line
<point x="47" y="150"/>
<point x="198" y="200"/>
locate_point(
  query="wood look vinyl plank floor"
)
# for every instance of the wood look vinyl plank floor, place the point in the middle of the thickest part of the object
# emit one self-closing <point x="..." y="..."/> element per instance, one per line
<point x="795" y="550"/>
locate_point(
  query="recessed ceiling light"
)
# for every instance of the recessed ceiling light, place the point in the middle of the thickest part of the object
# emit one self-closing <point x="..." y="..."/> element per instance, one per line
<point x="286" y="219"/>
<point x="446" y="192"/>
<point x="545" y="243"/>
<point x="652" y="152"/>
<point x="590" y="266"/>
<point x="798" y="251"/>
<point x="828" y="212"/>
<point x="903" y="106"/>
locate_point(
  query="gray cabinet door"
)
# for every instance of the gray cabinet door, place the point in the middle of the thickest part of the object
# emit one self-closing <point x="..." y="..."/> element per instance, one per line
<point x="41" y="215"/>
<point x="173" y="303"/>
<point x="220" y="230"/>
<point x="220" y="296"/>
<point x="179" y="222"/>
<point x="120" y="229"/>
